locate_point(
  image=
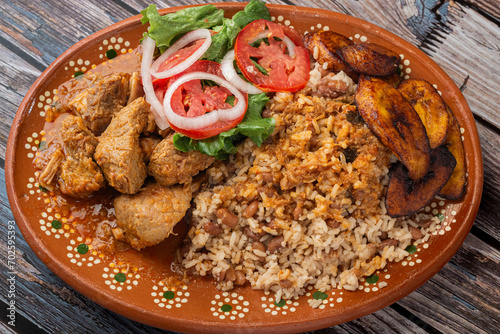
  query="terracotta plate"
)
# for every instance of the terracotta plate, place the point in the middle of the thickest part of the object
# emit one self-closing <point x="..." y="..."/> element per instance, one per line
<point x="139" y="292"/>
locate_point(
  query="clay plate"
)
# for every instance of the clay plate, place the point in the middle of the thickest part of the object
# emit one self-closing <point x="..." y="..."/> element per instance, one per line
<point x="138" y="293"/>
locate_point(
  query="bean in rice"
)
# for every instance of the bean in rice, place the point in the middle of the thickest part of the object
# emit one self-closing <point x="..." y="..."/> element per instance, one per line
<point x="319" y="181"/>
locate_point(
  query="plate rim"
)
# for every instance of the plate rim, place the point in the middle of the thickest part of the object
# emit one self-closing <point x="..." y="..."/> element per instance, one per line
<point x="109" y="301"/>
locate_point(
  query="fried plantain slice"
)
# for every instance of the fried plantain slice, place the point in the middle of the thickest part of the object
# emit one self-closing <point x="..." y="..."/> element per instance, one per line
<point x="393" y="79"/>
<point x="396" y="124"/>
<point x="323" y="46"/>
<point x="405" y="196"/>
<point x="430" y="107"/>
<point x="371" y="59"/>
<point x="455" y="186"/>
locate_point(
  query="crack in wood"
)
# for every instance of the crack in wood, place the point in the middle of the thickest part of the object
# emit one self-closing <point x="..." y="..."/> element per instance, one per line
<point x="483" y="11"/>
<point x="22" y="54"/>
<point x="490" y="126"/>
<point x="342" y="7"/>
<point x="414" y="318"/>
<point x="485" y="237"/>
<point x="465" y="303"/>
<point x="463" y="270"/>
<point x="427" y="14"/>
<point x="127" y="7"/>
<point x="439" y="28"/>
<point x="22" y="324"/>
<point x="464" y="84"/>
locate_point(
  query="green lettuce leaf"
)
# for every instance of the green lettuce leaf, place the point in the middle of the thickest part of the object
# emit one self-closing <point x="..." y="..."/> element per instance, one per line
<point x="226" y="36"/>
<point x="224" y="144"/>
<point x="222" y="41"/>
<point x="165" y="29"/>
<point x="255" y="10"/>
<point x="168" y="28"/>
<point x="253" y="125"/>
<point x="220" y="146"/>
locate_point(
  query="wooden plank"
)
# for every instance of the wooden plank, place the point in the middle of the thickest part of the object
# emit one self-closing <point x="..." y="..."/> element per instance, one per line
<point x="386" y="320"/>
<point x="36" y="27"/>
<point x="463" y="296"/>
<point x="489" y="211"/>
<point x="16" y="77"/>
<point x="490" y="8"/>
<point x="391" y="16"/>
<point x="469" y="48"/>
<point x="6" y="329"/>
<point x="55" y="302"/>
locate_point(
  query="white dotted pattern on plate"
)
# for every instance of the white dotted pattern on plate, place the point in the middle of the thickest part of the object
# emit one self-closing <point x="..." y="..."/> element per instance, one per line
<point x="229" y="305"/>
<point x="120" y="279"/>
<point x="117" y="44"/>
<point x="170" y="298"/>
<point x="282" y="307"/>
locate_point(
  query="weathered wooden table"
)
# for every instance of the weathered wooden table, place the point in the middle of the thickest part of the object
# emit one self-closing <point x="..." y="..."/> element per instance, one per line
<point x="462" y="36"/>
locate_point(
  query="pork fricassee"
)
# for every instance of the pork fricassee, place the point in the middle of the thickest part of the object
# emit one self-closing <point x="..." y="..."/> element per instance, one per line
<point x="307" y="199"/>
<point x="117" y="156"/>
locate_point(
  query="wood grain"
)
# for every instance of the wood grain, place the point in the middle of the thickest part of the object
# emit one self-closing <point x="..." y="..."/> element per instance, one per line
<point x="488" y="217"/>
<point x="16" y="77"/>
<point x="464" y="52"/>
<point x="461" y="298"/>
<point x="383" y="321"/>
<point x="36" y="29"/>
<point x="488" y="7"/>
<point x="4" y="328"/>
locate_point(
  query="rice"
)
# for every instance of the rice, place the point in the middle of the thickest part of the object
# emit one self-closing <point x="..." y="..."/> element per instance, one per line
<point x="320" y="181"/>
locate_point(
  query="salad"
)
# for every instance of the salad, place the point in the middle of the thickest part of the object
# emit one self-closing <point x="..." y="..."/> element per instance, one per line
<point x="207" y="76"/>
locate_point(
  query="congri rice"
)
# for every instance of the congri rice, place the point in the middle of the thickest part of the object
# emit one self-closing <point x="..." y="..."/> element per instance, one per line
<point x="315" y="191"/>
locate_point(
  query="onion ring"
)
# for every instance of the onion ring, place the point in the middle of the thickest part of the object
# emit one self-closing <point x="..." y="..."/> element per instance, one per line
<point x="148" y="48"/>
<point x="230" y="74"/>
<point x="198" y="122"/>
<point x="185" y="40"/>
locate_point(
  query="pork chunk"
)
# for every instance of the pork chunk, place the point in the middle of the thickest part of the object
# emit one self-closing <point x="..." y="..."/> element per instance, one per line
<point x="136" y="90"/>
<point x="119" y="154"/>
<point x="148" y="145"/>
<point x="170" y="166"/>
<point x="148" y="217"/>
<point x="79" y="174"/>
<point x="95" y="98"/>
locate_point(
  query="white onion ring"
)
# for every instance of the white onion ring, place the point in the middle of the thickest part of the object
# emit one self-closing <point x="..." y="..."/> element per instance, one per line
<point x="148" y="49"/>
<point x="185" y="40"/>
<point x="199" y="122"/>
<point x="289" y="44"/>
<point x="230" y="74"/>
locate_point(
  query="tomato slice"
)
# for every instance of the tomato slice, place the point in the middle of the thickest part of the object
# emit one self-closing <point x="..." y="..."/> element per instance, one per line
<point x="175" y="59"/>
<point x="293" y="35"/>
<point x="284" y="73"/>
<point x="193" y="99"/>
